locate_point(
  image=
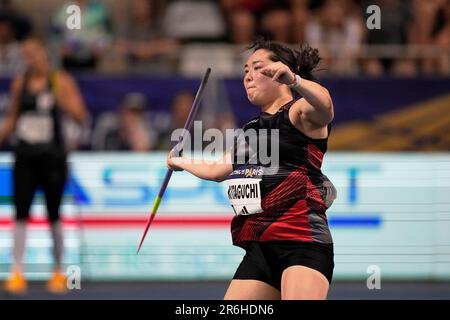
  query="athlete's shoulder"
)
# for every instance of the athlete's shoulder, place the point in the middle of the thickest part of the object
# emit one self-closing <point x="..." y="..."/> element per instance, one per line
<point x="18" y="81"/>
<point x="250" y="123"/>
<point x="62" y="76"/>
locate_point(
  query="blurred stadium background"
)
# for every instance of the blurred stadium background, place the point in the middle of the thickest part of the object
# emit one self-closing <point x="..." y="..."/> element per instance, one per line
<point x="138" y="64"/>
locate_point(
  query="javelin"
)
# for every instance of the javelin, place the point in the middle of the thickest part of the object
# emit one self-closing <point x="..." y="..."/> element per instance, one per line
<point x="187" y="126"/>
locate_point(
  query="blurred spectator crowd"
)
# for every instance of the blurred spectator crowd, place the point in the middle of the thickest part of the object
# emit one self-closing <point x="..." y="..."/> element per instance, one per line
<point x="181" y="36"/>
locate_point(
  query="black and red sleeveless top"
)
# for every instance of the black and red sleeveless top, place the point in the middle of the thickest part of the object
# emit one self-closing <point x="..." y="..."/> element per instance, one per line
<point x="292" y="200"/>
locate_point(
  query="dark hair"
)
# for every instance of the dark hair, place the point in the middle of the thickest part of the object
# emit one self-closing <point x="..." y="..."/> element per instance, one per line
<point x="302" y="62"/>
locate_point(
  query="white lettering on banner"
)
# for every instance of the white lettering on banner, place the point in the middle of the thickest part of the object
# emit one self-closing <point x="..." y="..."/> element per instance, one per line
<point x="35" y="128"/>
<point x="373" y="184"/>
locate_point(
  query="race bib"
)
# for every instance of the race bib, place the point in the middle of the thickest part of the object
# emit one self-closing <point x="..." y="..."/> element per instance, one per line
<point x="35" y="128"/>
<point x="244" y="190"/>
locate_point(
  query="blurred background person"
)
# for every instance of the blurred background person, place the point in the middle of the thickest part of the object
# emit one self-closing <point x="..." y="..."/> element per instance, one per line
<point x="38" y="97"/>
<point x="441" y="38"/>
<point x="194" y="20"/>
<point x="84" y="48"/>
<point x="242" y="26"/>
<point x="276" y="24"/>
<point x="11" y="61"/>
<point x="141" y="41"/>
<point x="336" y="30"/>
<point x="129" y="131"/>
<point x="301" y="14"/>
<point x="21" y="24"/>
<point x="216" y="117"/>
<point x="430" y="29"/>
<point x="396" y="23"/>
<point x="256" y="7"/>
<point x="14" y="27"/>
<point x="179" y="111"/>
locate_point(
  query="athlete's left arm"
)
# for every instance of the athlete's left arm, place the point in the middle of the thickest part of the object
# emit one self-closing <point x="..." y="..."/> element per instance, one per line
<point x="69" y="97"/>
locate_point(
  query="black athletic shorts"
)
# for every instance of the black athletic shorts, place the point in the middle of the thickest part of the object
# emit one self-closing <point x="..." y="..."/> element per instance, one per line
<point x="35" y="168"/>
<point x="266" y="260"/>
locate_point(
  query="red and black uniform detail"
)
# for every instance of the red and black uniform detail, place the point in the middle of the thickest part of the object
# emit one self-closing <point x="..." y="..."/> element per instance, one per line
<point x="293" y="199"/>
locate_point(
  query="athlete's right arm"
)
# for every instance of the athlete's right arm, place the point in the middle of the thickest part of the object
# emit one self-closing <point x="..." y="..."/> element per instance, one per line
<point x="9" y="123"/>
<point x="69" y="97"/>
<point x="203" y="169"/>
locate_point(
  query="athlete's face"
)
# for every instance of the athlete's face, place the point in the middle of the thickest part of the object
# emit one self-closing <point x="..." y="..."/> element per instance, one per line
<point x="261" y="90"/>
<point x="34" y="54"/>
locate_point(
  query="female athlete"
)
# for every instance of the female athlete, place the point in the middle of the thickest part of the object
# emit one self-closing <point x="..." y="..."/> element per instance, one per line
<point x="280" y="208"/>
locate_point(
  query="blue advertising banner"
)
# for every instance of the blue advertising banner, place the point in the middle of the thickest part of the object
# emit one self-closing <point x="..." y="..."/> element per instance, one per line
<point x="392" y="213"/>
